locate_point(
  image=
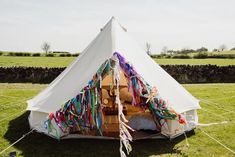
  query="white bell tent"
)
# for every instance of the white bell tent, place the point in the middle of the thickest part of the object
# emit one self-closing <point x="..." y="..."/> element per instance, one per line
<point x="114" y="38"/>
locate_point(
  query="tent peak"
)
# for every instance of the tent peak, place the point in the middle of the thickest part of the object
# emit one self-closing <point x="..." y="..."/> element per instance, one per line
<point x="113" y="21"/>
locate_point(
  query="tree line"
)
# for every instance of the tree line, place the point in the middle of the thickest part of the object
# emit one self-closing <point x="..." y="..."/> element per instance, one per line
<point x="165" y="50"/>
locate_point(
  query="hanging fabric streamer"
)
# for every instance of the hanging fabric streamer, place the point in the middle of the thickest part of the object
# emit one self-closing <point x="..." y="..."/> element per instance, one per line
<point x="124" y="134"/>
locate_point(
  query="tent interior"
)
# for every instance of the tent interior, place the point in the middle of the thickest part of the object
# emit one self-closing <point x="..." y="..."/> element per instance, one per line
<point x="141" y="120"/>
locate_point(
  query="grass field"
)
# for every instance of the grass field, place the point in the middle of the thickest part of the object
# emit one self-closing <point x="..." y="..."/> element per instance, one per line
<point x="6" y="61"/>
<point x="12" y="101"/>
<point x="219" y="62"/>
<point x="224" y="52"/>
<point x="228" y="52"/>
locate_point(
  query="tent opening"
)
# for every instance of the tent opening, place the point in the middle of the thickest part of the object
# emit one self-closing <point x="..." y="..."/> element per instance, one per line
<point x="140" y="119"/>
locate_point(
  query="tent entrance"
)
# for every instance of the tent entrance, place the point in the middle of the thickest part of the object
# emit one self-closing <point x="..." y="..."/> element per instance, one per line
<point x="140" y="120"/>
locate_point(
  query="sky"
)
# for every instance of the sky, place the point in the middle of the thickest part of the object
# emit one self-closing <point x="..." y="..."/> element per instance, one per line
<point x="70" y="25"/>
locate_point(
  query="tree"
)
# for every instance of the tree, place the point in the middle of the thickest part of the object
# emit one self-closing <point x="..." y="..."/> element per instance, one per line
<point x="186" y="51"/>
<point x="171" y="52"/>
<point x="215" y="50"/>
<point x="222" y="47"/>
<point x="202" y="49"/>
<point x="232" y="49"/>
<point x="148" y="46"/>
<point x="46" y="47"/>
<point x="164" y="50"/>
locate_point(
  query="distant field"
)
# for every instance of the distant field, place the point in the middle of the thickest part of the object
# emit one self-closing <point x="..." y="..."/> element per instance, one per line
<point x="14" y="123"/>
<point x="224" y="52"/>
<point x="219" y="62"/>
<point x="218" y="53"/>
<point x="7" y="61"/>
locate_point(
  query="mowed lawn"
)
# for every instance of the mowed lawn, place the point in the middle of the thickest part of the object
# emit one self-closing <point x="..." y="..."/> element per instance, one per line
<point x="219" y="62"/>
<point x="8" y="61"/>
<point x="14" y="123"/>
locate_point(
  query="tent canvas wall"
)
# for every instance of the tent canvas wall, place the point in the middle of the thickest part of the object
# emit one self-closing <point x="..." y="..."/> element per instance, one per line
<point x="113" y="38"/>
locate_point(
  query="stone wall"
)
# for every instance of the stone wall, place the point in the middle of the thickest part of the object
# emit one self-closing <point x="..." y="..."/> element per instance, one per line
<point x="182" y="73"/>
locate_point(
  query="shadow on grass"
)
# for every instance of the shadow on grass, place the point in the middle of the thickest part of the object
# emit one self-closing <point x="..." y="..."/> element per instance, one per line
<point x="37" y="145"/>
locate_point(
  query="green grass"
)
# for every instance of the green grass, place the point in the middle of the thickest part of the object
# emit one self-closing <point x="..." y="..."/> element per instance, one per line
<point x="228" y="52"/>
<point x="12" y="101"/>
<point x="219" y="62"/>
<point x="224" y="52"/>
<point x="8" y="61"/>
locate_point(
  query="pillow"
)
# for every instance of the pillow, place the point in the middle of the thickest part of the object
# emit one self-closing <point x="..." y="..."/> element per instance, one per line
<point x="142" y="121"/>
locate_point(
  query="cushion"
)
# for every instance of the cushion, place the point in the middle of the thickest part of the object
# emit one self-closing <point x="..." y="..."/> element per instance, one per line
<point x="142" y="121"/>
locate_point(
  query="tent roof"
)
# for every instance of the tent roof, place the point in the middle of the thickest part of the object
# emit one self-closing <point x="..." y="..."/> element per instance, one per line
<point x="112" y="38"/>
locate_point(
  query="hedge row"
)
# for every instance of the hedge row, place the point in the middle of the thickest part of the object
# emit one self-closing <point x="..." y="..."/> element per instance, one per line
<point x="200" y="55"/>
<point x="201" y="73"/>
<point x="182" y="73"/>
<point x="27" y="54"/>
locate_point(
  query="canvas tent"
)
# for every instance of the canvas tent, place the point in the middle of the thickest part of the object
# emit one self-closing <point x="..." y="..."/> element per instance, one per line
<point x="113" y="41"/>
